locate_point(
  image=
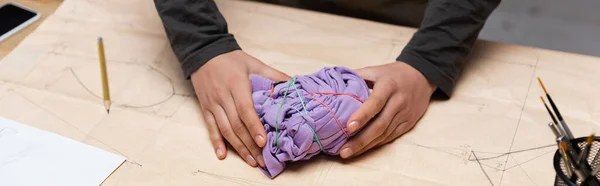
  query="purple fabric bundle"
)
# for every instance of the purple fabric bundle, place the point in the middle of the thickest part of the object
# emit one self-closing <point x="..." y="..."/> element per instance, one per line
<point x="296" y="139"/>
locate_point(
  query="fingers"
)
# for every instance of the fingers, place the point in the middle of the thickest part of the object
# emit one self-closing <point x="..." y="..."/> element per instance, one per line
<point x="242" y="133"/>
<point x="373" y="105"/>
<point x="372" y="132"/>
<point x="400" y="130"/>
<point x="213" y="130"/>
<point x="215" y="135"/>
<point x="229" y="134"/>
<point x="242" y="97"/>
<point x="255" y="66"/>
<point x="367" y="73"/>
<point x="273" y="74"/>
<point x="388" y="133"/>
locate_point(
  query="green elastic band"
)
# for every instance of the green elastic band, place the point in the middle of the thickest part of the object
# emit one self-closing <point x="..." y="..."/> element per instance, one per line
<point x="313" y="130"/>
<point x="278" y="110"/>
<point x="301" y="101"/>
<point x="304" y="107"/>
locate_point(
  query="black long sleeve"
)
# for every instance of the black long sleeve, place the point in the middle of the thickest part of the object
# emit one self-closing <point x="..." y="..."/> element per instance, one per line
<point x="446" y="36"/>
<point x="196" y="31"/>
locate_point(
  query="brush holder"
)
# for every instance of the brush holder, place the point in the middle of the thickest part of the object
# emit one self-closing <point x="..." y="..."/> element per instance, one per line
<point x="562" y="178"/>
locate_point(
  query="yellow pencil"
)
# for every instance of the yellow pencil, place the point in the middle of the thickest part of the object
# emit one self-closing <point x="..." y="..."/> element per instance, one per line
<point x="105" y="90"/>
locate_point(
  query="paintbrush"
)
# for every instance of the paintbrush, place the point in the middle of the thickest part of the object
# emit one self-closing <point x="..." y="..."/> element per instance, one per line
<point x="558" y="115"/>
<point x="554" y="124"/>
<point x="554" y="129"/>
<point x="583" y="160"/>
<point x="570" y="160"/>
<point x="563" y="152"/>
<point x="548" y="109"/>
<point x="586" y="150"/>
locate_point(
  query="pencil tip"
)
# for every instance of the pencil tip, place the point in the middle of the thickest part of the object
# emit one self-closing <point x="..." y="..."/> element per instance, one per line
<point x="108" y="111"/>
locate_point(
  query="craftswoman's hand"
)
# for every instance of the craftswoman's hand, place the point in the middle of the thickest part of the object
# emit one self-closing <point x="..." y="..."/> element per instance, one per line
<point x="225" y="95"/>
<point x="400" y="96"/>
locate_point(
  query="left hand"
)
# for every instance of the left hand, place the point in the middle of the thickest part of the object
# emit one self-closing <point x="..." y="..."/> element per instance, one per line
<point x="400" y="96"/>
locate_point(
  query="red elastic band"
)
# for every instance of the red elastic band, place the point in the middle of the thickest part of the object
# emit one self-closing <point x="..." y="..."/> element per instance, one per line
<point x="337" y="93"/>
<point x="333" y="114"/>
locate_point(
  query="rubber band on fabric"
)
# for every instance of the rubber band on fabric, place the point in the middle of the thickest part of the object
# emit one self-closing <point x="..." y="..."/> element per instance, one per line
<point x="292" y="83"/>
<point x="334" y="117"/>
<point x="300" y="97"/>
<point x="272" y="90"/>
<point x="305" y="112"/>
<point x="279" y="110"/>
<point x="311" y="129"/>
<point x="337" y="93"/>
<point x="270" y="95"/>
<point x="323" y="99"/>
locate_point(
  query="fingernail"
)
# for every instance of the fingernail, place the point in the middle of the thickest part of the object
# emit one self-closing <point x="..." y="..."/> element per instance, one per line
<point x="260" y="139"/>
<point x="346" y="152"/>
<point x="352" y="126"/>
<point x="261" y="160"/>
<point x="219" y="153"/>
<point x="250" y="160"/>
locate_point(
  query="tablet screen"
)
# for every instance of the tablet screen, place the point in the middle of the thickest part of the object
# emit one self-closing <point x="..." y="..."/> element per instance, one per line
<point x="12" y="16"/>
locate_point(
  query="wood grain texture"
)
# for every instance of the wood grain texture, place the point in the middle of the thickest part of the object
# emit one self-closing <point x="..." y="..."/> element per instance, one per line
<point x="492" y="131"/>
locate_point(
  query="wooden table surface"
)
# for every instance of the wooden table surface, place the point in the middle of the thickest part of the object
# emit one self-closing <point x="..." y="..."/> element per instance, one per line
<point x="491" y="132"/>
<point x="44" y="7"/>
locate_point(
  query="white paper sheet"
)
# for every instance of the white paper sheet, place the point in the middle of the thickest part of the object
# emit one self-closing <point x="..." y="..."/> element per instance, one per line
<point x="30" y="156"/>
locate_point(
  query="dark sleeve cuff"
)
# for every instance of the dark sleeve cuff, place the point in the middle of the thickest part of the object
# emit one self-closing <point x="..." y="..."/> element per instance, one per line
<point x="195" y="60"/>
<point x="444" y="83"/>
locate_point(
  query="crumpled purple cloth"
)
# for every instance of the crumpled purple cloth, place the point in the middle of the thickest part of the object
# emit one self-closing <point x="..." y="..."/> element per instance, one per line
<point x="296" y="138"/>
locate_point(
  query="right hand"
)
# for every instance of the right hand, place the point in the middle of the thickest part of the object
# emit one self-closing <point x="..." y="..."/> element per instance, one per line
<point x="225" y="94"/>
